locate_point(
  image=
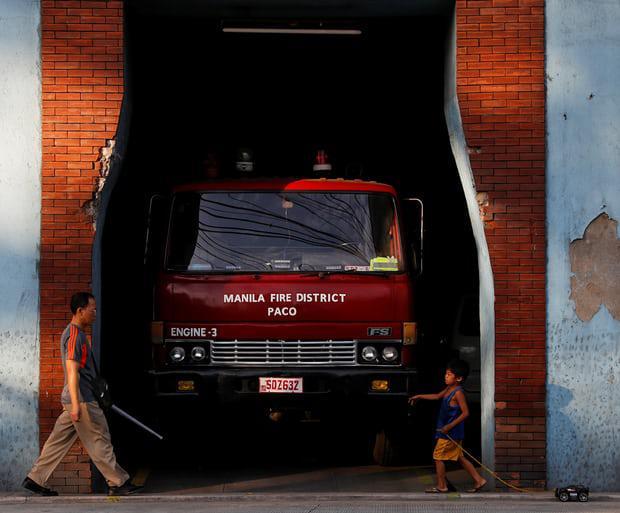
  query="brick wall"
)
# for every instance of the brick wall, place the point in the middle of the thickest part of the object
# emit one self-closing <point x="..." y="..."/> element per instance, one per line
<point x="500" y="81"/>
<point x="501" y="91"/>
<point x="82" y="61"/>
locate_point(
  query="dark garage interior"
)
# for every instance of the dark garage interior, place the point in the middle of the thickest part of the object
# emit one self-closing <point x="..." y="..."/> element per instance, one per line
<point x="374" y="103"/>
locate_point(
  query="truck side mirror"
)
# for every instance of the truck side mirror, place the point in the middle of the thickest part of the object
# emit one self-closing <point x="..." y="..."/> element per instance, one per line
<point x="414" y="210"/>
<point x="155" y="224"/>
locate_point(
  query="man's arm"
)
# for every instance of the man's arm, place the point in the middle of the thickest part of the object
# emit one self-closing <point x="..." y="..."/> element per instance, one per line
<point x="73" y="383"/>
<point x="460" y="398"/>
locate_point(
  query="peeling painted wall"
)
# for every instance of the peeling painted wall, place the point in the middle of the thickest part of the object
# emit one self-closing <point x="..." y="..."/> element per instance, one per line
<point x="583" y="207"/>
<point x="595" y="269"/>
<point x="20" y="218"/>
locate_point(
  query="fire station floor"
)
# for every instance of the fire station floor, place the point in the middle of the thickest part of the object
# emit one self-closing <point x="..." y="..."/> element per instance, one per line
<point x="241" y="455"/>
<point x="307" y="479"/>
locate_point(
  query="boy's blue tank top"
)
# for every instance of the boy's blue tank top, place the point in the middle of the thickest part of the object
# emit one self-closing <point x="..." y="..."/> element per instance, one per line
<point x="447" y="414"/>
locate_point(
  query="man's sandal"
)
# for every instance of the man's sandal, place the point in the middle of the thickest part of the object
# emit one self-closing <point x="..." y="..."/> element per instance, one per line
<point x="434" y="489"/>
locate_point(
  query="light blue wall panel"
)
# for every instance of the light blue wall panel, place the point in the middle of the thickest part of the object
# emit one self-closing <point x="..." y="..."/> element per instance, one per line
<point x="20" y="219"/>
<point x="583" y="182"/>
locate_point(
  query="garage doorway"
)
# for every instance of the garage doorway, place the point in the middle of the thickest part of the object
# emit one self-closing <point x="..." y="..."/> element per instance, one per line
<point x="375" y="101"/>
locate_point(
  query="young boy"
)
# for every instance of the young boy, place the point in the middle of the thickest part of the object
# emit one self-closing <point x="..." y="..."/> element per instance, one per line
<point x="452" y="413"/>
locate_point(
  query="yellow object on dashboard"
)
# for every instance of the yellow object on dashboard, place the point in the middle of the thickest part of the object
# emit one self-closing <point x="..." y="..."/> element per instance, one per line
<point x="384" y="264"/>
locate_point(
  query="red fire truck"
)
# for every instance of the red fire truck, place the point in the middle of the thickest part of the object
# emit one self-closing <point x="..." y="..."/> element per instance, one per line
<point x="287" y="293"/>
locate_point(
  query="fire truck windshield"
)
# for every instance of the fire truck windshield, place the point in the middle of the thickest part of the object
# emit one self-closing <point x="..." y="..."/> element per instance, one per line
<point x="258" y="231"/>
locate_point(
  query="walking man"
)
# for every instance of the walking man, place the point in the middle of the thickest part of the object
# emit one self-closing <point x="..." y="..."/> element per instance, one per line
<point x="81" y="416"/>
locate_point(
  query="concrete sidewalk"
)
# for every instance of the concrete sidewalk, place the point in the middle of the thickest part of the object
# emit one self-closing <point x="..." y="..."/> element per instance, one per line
<point x="543" y="496"/>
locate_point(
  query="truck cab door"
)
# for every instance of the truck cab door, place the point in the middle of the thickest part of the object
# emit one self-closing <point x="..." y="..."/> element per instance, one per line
<point x="155" y="234"/>
<point x="413" y="210"/>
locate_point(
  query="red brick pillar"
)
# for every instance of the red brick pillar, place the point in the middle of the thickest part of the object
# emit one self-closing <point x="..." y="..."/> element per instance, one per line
<point x="82" y="61"/>
<point x="500" y="81"/>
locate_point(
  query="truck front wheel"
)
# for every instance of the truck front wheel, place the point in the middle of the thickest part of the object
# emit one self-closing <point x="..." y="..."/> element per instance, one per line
<point x="386" y="449"/>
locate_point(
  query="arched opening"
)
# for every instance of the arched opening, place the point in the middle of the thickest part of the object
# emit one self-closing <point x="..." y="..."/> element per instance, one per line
<point x="376" y="101"/>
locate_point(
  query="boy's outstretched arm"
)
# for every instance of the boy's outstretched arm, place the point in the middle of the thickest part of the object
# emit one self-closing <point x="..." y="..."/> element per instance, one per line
<point x="459" y="396"/>
<point x="429" y="397"/>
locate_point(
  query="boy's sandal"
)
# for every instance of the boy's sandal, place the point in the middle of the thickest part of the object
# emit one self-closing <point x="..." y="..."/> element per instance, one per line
<point x="476" y="489"/>
<point x="434" y="489"/>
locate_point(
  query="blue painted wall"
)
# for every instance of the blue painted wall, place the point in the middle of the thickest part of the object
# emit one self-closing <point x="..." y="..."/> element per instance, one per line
<point x="20" y="219"/>
<point x="583" y="182"/>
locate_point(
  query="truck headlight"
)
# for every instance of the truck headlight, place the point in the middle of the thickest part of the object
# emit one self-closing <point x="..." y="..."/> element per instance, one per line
<point x="198" y="353"/>
<point x="369" y="354"/>
<point x="177" y="354"/>
<point x="389" y="353"/>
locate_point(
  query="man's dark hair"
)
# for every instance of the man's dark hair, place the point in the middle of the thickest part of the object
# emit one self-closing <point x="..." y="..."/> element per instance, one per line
<point x="460" y="368"/>
<point x="80" y="300"/>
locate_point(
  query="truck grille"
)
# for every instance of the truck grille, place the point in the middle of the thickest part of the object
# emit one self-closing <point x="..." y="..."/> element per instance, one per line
<point x="284" y="353"/>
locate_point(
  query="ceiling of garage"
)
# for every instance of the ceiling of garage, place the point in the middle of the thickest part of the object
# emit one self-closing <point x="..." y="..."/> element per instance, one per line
<point x="292" y="8"/>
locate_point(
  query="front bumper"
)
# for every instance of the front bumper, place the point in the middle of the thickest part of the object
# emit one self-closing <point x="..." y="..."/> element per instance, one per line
<point x="233" y="385"/>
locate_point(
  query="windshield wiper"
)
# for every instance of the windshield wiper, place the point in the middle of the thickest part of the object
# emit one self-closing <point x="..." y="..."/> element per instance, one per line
<point x="323" y="274"/>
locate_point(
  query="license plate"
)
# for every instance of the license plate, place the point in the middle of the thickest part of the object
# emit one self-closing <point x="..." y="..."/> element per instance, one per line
<point x="281" y="385"/>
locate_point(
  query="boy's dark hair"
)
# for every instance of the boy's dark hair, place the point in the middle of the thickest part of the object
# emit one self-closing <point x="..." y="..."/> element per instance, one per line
<point x="460" y="368"/>
<point x="80" y="300"/>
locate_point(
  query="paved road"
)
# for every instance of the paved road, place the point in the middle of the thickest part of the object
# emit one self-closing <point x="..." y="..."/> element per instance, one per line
<point x="452" y="504"/>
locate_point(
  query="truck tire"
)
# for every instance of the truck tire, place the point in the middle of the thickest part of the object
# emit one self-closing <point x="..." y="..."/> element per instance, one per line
<point x="385" y="450"/>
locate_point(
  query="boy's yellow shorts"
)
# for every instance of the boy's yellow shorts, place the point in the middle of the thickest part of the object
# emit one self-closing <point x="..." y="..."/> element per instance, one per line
<point x="447" y="450"/>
